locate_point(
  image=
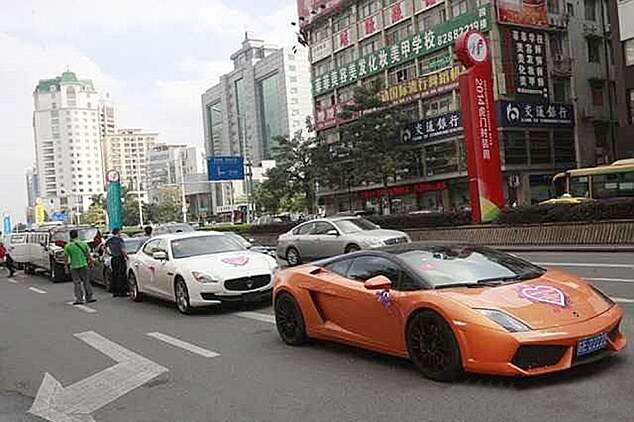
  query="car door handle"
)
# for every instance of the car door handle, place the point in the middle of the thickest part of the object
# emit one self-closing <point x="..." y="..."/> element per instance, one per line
<point x="170" y="273"/>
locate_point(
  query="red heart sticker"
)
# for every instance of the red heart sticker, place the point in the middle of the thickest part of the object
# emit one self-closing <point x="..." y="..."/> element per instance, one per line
<point x="237" y="261"/>
<point x="544" y="294"/>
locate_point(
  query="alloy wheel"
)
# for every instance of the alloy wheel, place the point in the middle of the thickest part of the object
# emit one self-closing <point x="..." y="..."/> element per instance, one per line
<point x="182" y="297"/>
<point x="289" y="320"/>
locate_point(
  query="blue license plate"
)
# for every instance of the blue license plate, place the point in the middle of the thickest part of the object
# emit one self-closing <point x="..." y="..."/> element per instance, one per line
<point x="592" y="344"/>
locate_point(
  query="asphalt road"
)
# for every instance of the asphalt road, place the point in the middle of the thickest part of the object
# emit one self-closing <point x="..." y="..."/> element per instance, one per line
<point x="241" y="371"/>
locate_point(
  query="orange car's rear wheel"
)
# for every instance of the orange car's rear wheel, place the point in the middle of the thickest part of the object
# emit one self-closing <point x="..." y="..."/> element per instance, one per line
<point x="433" y="348"/>
<point x="289" y="320"/>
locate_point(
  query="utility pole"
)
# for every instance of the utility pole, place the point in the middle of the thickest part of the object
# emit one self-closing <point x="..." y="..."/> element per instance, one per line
<point x="183" y="197"/>
<point x="138" y="180"/>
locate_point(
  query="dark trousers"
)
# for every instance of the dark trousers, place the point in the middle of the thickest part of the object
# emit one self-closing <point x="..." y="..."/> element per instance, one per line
<point x="119" y="279"/>
<point x="8" y="263"/>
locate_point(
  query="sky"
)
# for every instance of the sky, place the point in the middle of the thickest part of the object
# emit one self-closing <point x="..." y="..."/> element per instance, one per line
<point x="154" y="58"/>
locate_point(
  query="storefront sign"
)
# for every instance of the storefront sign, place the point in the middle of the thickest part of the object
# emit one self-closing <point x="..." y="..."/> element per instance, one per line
<point x="523" y="12"/>
<point x="369" y="26"/>
<point x="480" y="127"/>
<point x="329" y="116"/>
<point x="526" y="70"/>
<point x="522" y="114"/>
<point x="419" y="45"/>
<point x="433" y="129"/>
<point x="397" y="12"/>
<point x="321" y="50"/>
<point x="424" y="87"/>
<point x="309" y="10"/>
<point x="428" y="66"/>
<point x="344" y="39"/>
<point x="404" y="190"/>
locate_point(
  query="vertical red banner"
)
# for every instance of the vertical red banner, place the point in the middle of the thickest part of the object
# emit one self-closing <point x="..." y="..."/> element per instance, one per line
<point x="480" y="127"/>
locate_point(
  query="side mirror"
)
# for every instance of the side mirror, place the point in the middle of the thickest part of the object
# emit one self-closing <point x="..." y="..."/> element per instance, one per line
<point x="248" y="245"/>
<point x="160" y="255"/>
<point x="380" y="282"/>
<point x="332" y="232"/>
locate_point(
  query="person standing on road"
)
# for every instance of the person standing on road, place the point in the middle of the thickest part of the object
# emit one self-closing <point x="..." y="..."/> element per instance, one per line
<point x="5" y="257"/>
<point x="116" y="249"/>
<point x="77" y="256"/>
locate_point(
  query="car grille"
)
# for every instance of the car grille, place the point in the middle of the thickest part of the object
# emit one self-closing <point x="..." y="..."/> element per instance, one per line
<point x="248" y="283"/>
<point x="396" y="241"/>
<point x="528" y="357"/>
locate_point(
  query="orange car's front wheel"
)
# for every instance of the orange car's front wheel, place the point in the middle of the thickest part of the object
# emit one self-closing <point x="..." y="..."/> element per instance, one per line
<point x="289" y="320"/>
<point x="432" y="347"/>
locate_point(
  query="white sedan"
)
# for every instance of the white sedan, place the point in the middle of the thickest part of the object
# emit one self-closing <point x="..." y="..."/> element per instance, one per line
<point x="199" y="269"/>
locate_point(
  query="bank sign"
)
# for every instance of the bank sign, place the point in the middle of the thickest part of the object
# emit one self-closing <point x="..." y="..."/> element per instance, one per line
<point x="525" y="114"/>
<point x="419" y="45"/>
<point x="433" y="129"/>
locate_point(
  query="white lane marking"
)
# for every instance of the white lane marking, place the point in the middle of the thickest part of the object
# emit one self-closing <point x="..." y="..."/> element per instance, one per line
<point x="76" y="402"/>
<point x="256" y="316"/>
<point x="36" y="290"/>
<point x="83" y="308"/>
<point x="582" y="264"/>
<point x="622" y="300"/>
<point x="184" y="345"/>
<point x="10" y="280"/>
<point x="616" y="280"/>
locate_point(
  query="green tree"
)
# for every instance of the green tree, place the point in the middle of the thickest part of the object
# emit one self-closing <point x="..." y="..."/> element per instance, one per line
<point x="370" y="144"/>
<point x="268" y="195"/>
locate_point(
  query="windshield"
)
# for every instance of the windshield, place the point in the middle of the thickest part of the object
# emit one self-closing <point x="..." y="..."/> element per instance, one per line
<point x="132" y="245"/>
<point x="442" y="267"/>
<point x="353" y="225"/>
<point x="85" y="234"/>
<point x="204" y="245"/>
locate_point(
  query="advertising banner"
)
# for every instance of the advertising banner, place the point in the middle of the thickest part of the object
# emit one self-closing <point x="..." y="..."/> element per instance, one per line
<point x="538" y="115"/>
<point x="114" y="204"/>
<point x="369" y="26"/>
<point x="321" y="50"/>
<point x="424" y="87"/>
<point x="525" y="64"/>
<point x="7" y="228"/>
<point x="523" y="12"/>
<point x="433" y="129"/>
<point x="419" y="45"/>
<point x="40" y="214"/>
<point x="329" y="116"/>
<point x="345" y="38"/>
<point x="397" y="12"/>
<point x="225" y="168"/>
<point x="480" y="127"/>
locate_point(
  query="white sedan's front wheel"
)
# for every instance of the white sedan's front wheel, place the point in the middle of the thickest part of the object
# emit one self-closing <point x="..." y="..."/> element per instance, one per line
<point x="135" y="294"/>
<point x="182" y="297"/>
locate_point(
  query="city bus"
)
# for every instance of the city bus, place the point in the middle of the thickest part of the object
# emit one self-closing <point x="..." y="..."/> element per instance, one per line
<point x="603" y="182"/>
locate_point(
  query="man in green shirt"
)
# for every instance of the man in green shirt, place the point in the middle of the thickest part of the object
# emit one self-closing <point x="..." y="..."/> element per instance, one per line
<point x="77" y="255"/>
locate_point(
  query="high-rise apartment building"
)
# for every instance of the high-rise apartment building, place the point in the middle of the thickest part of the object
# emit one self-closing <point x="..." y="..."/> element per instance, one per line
<point x="107" y="125"/>
<point x="554" y="83"/>
<point x="173" y="165"/>
<point x="625" y="59"/>
<point x="127" y="152"/>
<point x="67" y="147"/>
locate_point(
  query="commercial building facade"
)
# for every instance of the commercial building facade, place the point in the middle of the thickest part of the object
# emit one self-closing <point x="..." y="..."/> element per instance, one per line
<point x="67" y="142"/>
<point x="268" y="94"/>
<point x="625" y="60"/>
<point x="551" y="111"/>
<point x="127" y="152"/>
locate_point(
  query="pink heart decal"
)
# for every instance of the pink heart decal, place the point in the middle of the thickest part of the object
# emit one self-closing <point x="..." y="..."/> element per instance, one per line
<point x="237" y="261"/>
<point x="544" y="294"/>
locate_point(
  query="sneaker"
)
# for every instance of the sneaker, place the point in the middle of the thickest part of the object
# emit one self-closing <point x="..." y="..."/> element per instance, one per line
<point x="77" y="302"/>
<point x="91" y="300"/>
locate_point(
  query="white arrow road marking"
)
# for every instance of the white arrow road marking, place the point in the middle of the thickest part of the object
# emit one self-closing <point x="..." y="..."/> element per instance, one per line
<point x="36" y="290"/>
<point x="10" y="280"/>
<point x="622" y="300"/>
<point x="83" y="308"/>
<point x="75" y="403"/>
<point x="184" y="345"/>
<point x="256" y="316"/>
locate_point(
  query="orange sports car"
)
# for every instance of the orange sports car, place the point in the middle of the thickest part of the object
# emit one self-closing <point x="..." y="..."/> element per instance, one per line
<point x="450" y="309"/>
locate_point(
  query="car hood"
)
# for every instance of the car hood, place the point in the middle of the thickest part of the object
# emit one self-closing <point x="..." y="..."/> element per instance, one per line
<point x="229" y="265"/>
<point x="554" y="299"/>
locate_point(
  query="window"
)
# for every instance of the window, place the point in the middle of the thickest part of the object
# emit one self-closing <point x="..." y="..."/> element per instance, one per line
<point x="628" y="49"/>
<point x="438" y="105"/>
<point x="591" y="10"/>
<point x="539" y="143"/>
<point x="339" y="267"/>
<point x="613" y="185"/>
<point x="561" y="90"/>
<point x="341" y="22"/>
<point x="458" y="7"/>
<point x="514" y="148"/>
<point x="431" y="18"/>
<point x="345" y="57"/>
<point x="305" y="229"/>
<point x="369" y="46"/>
<point x="368" y="8"/>
<point x="320" y="34"/>
<point x="441" y="158"/>
<point x="399" y="33"/>
<point x="629" y="99"/>
<point x="564" y="146"/>
<point x="322" y="228"/>
<point x="322" y="68"/>
<point x="553" y="6"/>
<point x="597" y="95"/>
<point x="366" y="267"/>
<point x="594" y="50"/>
<point x="402" y="73"/>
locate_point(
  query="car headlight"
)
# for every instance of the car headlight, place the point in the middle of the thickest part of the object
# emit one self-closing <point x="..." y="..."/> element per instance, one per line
<point x="603" y="296"/>
<point x="375" y="243"/>
<point x="505" y="320"/>
<point x="204" y="278"/>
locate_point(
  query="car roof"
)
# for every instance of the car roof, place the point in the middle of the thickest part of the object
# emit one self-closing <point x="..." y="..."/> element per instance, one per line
<point x="187" y="235"/>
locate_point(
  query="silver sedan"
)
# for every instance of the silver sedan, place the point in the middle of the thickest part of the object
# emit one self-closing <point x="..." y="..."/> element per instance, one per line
<point x="334" y="236"/>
